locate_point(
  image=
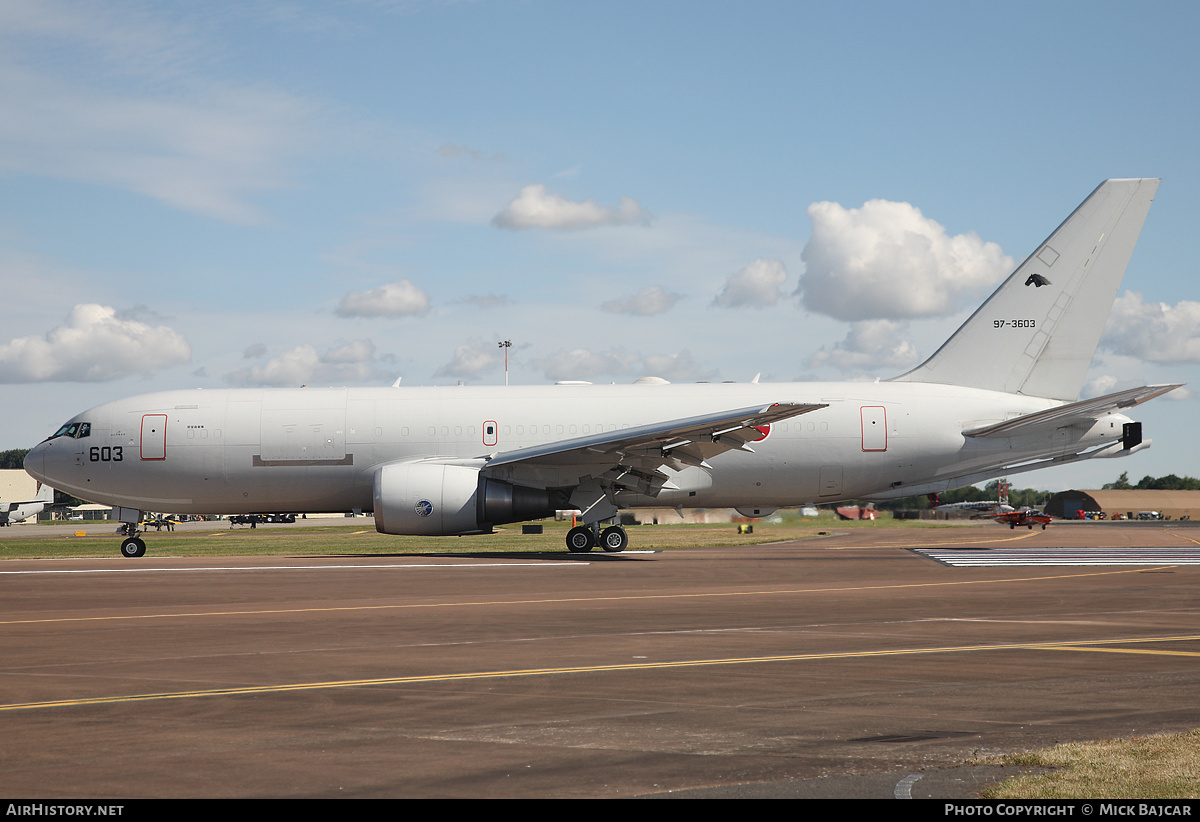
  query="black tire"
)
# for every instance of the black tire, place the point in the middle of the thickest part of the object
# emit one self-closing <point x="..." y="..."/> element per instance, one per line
<point x="580" y="540"/>
<point x="133" y="547"/>
<point x="614" y="540"/>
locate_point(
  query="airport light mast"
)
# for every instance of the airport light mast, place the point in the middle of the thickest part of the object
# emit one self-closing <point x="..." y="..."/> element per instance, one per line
<point x="506" y="344"/>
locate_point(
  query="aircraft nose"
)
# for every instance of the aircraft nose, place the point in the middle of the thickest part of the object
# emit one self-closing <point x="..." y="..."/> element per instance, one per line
<point x="35" y="462"/>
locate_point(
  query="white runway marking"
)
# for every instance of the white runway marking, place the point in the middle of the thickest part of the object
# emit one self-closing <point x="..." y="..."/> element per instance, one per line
<point x="306" y="568"/>
<point x="903" y="788"/>
<point x="985" y="557"/>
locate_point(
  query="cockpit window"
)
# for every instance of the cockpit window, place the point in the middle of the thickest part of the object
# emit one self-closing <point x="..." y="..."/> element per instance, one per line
<point x="75" y="430"/>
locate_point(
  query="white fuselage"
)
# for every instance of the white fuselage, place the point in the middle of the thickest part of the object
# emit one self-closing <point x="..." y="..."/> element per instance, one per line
<point x="317" y="449"/>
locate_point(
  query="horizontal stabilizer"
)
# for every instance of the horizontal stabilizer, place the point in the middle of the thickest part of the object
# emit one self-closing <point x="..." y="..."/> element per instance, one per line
<point x="1073" y="412"/>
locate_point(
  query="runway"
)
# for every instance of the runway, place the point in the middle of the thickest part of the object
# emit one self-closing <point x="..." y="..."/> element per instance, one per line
<point x="850" y="665"/>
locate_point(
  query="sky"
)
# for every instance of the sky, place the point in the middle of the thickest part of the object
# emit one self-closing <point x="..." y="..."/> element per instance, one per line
<point x="240" y="194"/>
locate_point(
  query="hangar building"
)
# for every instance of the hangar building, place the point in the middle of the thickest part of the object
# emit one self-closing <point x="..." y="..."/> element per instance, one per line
<point x="1171" y="504"/>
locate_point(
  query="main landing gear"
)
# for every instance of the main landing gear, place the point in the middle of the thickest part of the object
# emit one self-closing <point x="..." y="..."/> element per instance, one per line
<point x="132" y="546"/>
<point x="584" y="538"/>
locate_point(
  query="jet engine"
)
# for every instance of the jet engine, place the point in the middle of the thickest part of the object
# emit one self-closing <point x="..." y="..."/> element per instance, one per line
<point x="437" y="498"/>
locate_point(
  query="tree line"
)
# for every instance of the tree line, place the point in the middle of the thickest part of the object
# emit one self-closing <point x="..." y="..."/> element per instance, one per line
<point x="13" y="459"/>
<point x="1036" y="498"/>
<point x="1148" y="483"/>
<point x="1017" y="497"/>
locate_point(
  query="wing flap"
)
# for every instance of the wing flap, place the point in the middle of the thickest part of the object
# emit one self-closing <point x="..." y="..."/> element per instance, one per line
<point x="631" y="457"/>
<point x="1071" y="413"/>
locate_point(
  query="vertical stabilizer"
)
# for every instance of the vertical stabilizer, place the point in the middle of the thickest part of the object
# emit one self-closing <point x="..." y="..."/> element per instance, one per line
<point x="1037" y="333"/>
<point x="44" y="493"/>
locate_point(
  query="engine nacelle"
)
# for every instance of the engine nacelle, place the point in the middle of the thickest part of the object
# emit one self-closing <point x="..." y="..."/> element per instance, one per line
<point x="434" y="498"/>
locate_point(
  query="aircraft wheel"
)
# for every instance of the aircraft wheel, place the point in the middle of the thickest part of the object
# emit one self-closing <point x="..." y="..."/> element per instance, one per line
<point x="1043" y="526"/>
<point x="1012" y="525"/>
<point x="580" y="540"/>
<point x="133" y="547"/>
<point x="614" y="539"/>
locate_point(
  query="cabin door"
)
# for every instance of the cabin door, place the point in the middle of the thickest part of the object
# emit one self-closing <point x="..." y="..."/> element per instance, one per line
<point x="154" y="436"/>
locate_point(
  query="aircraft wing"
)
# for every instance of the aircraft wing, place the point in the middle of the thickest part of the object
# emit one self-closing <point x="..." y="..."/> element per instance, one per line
<point x="1072" y="412"/>
<point x="632" y="456"/>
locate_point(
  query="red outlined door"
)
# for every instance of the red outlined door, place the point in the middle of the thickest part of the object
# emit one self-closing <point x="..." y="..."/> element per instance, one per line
<point x="491" y="433"/>
<point x="874" y="428"/>
<point x="154" y="436"/>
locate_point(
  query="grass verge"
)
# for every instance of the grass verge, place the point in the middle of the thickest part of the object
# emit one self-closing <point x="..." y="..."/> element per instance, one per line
<point x="1165" y="766"/>
<point x="362" y="538"/>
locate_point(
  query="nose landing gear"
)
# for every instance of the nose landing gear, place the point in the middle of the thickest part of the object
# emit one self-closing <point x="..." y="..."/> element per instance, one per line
<point x="132" y="546"/>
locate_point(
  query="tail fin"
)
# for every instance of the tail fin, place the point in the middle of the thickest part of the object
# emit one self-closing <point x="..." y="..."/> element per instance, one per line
<point x="1037" y="333"/>
<point x="44" y="493"/>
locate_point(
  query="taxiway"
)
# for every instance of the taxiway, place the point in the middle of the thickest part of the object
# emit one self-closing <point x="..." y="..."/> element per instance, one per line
<point x="833" y="666"/>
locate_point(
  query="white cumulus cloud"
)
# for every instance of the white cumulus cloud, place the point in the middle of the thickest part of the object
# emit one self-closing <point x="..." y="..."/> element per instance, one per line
<point x="472" y="359"/>
<point x="93" y="345"/>
<point x="1156" y="332"/>
<point x="353" y="362"/>
<point x="535" y="207"/>
<point x="757" y="285"/>
<point x="888" y="260"/>
<point x="582" y="364"/>
<point x="869" y="344"/>
<point x="398" y="299"/>
<point x="653" y="299"/>
<point x="1100" y="385"/>
<point x="681" y="367"/>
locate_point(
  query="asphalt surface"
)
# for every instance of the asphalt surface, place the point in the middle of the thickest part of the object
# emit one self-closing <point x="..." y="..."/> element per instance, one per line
<point x="848" y="666"/>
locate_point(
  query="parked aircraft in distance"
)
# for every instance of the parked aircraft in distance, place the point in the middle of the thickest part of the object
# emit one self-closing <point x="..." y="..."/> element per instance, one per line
<point x="978" y="508"/>
<point x="1026" y="516"/>
<point x="999" y="397"/>
<point x="14" y="511"/>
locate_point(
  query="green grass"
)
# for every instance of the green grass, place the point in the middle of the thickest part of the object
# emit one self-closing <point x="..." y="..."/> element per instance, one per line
<point x="361" y="538"/>
<point x="1165" y="766"/>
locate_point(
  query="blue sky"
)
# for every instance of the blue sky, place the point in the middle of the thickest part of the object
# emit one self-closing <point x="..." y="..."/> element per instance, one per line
<point x="274" y="193"/>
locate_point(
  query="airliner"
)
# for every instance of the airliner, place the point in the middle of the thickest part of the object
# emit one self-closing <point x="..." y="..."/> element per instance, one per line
<point x="979" y="507"/>
<point x="1001" y="396"/>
